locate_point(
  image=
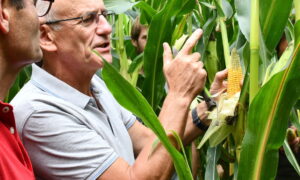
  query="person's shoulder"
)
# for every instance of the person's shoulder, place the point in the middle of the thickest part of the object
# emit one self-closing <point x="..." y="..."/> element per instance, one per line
<point x="26" y="94"/>
<point x="31" y="98"/>
<point x="23" y="97"/>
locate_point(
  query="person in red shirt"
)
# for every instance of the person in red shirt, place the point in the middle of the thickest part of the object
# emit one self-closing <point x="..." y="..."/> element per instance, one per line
<point x="19" y="46"/>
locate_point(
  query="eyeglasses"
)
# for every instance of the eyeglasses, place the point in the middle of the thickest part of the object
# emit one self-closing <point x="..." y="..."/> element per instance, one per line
<point x="89" y="18"/>
<point x="43" y="6"/>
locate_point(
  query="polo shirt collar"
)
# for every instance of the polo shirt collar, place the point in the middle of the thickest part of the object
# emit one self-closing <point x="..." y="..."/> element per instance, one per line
<point x="52" y="85"/>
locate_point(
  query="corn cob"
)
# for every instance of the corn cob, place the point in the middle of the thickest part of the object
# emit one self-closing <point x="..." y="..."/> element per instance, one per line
<point x="235" y="74"/>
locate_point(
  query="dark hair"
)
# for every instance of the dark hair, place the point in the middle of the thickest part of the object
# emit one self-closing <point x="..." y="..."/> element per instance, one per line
<point x="136" y="29"/>
<point x="19" y="4"/>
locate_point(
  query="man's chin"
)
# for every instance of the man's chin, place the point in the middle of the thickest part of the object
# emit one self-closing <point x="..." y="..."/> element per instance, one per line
<point x="37" y="56"/>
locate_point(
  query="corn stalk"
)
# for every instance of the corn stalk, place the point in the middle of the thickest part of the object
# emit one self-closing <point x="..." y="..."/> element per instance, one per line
<point x="254" y="49"/>
<point x="120" y="47"/>
<point x="222" y="20"/>
<point x="297" y="7"/>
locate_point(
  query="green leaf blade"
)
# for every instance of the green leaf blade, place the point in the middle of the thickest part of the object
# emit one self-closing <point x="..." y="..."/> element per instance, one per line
<point x="267" y="122"/>
<point x="132" y="100"/>
<point x="274" y="16"/>
<point x="291" y="157"/>
<point x="160" y="31"/>
<point x="118" y="6"/>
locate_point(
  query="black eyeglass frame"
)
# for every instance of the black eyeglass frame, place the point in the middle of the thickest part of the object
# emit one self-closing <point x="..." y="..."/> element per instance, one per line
<point x="49" y="7"/>
<point x="103" y="13"/>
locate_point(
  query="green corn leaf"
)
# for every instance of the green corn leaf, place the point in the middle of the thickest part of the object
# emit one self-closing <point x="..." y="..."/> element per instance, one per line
<point x="239" y="129"/>
<point x="274" y="16"/>
<point x="154" y="146"/>
<point x="268" y="72"/>
<point x="160" y="31"/>
<point x="132" y="100"/>
<point x="14" y="89"/>
<point x="214" y="127"/>
<point x="178" y="139"/>
<point x="211" y="63"/>
<point x="283" y="61"/>
<point x="136" y="63"/>
<point x="212" y="157"/>
<point x="217" y="132"/>
<point x="295" y="119"/>
<point x="210" y="6"/>
<point x="207" y="31"/>
<point x="219" y="8"/>
<point x="223" y="120"/>
<point x="222" y="134"/>
<point x="243" y="16"/>
<point x="155" y="4"/>
<point x="227" y="9"/>
<point x="179" y="31"/>
<point x="118" y="6"/>
<point x="147" y="11"/>
<point x="291" y="157"/>
<point x="268" y="120"/>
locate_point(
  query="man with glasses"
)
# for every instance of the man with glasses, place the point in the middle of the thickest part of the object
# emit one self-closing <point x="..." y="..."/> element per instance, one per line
<point x="71" y="125"/>
<point x="19" y="46"/>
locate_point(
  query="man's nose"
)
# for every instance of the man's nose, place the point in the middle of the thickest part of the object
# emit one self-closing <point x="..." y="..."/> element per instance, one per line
<point x="103" y="27"/>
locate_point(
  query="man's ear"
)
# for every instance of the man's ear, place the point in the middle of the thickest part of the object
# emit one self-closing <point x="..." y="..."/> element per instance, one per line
<point x="4" y="17"/>
<point x="47" y="38"/>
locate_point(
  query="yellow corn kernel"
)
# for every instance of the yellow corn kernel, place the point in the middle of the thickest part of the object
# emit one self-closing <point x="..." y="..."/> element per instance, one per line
<point x="235" y="74"/>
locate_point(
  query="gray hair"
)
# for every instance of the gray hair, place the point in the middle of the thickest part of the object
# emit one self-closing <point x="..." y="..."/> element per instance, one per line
<point x="50" y="17"/>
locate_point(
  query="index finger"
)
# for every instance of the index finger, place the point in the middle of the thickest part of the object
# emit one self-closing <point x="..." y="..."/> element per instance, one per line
<point x="167" y="55"/>
<point x="191" y="42"/>
<point x="221" y="75"/>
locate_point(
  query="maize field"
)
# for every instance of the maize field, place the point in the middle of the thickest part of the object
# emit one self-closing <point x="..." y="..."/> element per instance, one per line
<point x="252" y="120"/>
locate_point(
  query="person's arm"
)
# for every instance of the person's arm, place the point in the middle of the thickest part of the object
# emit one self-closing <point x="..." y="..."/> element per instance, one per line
<point x="186" y="78"/>
<point x="192" y="131"/>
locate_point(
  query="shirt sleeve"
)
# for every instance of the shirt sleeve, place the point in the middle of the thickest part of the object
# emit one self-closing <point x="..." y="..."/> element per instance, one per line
<point x="127" y="117"/>
<point x="71" y="149"/>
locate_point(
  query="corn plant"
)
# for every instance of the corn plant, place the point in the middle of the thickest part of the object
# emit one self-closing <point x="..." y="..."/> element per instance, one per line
<point x="240" y="35"/>
<point x="233" y="29"/>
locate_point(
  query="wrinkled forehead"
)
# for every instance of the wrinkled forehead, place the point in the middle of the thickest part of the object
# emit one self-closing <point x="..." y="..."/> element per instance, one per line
<point x="74" y="8"/>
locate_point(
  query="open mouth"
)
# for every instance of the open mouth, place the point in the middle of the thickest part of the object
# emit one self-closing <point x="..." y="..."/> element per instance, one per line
<point x="103" y="45"/>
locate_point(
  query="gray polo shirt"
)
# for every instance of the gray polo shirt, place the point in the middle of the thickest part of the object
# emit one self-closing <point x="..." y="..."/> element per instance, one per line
<point x="65" y="133"/>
